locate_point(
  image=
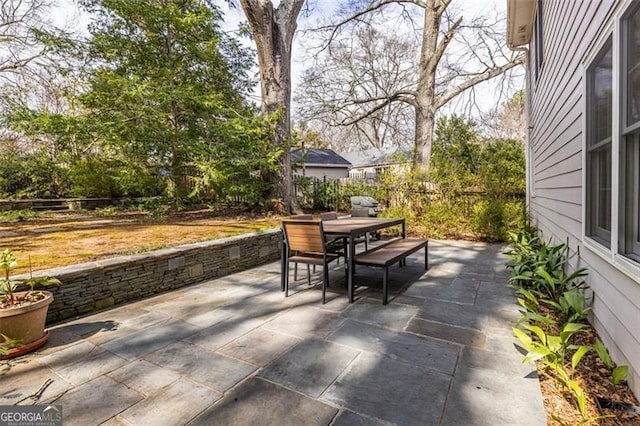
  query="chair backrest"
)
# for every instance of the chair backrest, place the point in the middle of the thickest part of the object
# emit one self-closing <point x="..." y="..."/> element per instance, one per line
<point x="329" y="216"/>
<point x="304" y="236"/>
<point x="301" y="217"/>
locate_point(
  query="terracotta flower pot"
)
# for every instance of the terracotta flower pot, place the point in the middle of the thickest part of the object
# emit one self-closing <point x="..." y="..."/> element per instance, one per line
<point x="26" y="323"/>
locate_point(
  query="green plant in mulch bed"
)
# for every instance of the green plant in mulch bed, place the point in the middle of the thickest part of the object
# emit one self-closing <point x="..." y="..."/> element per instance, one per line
<point x="554" y="300"/>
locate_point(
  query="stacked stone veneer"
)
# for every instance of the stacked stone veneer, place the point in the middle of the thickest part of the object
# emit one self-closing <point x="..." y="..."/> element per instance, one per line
<point x="98" y="285"/>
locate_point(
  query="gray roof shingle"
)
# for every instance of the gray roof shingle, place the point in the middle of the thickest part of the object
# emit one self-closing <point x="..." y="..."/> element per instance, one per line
<point x="319" y="156"/>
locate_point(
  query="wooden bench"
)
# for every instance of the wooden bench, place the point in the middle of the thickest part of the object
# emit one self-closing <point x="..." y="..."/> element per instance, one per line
<point x="386" y="255"/>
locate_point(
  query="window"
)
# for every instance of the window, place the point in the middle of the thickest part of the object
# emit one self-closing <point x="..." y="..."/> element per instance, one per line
<point x="599" y="137"/>
<point x="537" y="36"/>
<point x="630" y="139"/>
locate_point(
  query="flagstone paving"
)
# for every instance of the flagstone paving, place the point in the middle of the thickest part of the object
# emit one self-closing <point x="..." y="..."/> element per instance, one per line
<point x="236" y="351"/>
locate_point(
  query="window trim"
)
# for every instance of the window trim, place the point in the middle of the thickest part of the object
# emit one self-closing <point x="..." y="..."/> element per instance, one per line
<point x="630" y="249"/>
<point x="614" y="254"/>
<point x="629" y="212"/>
<point x="590" y="184"/>
<point x="611" y="255"/>
<point x="624" y="45"/>
<point x="538" y="38"/>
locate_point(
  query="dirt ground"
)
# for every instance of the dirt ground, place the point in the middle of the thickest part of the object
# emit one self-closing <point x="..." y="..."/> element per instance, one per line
<point x="60" y="239"/>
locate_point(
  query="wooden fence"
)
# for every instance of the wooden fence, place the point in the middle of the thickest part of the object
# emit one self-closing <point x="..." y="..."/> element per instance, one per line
<point x="334" y="194"/>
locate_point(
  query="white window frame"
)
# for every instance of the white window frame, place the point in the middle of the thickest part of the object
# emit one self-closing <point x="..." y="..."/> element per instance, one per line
<point x="588" y="240"/>
<point x="629" y="131"/>
<point x="611" y="254"/>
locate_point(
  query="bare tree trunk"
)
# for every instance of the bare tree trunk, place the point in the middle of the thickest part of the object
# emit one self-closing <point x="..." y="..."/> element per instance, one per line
<point x="273" y="31"/>
<point x="425" y="123"/>
<point x="426" y="88"/>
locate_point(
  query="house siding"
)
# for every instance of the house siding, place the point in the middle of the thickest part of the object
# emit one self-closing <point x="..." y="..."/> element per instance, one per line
<point x="324" y="172"/>
<point x="556" y="134"/>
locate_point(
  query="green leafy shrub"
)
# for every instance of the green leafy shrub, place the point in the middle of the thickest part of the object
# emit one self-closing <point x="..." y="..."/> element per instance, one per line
<point x="32" y="175"/>
<point x="523" y="253"/>
<point x="445" y="219"/>
<point x="93" y="177"/>
<point x="619" y="373"/>
<point x="502" y="167"/>
<point x="552" y="351"/>
<point x="571" y="306"/>
<point x="134" y="180"/>
<point x="489" y="219"/>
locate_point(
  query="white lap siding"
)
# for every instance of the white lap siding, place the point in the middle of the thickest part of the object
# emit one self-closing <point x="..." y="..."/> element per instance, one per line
<point x="556" y="134"/>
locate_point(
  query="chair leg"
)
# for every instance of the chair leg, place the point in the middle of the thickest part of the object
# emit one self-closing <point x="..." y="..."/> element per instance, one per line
<point x="325" y="283"/>
<point x="286" y="280"/>
<point x="326" y="268"/>
<point x="308" y="275"/>
<point x="284" y="258"/>
<point x="426" y="256"/>
<point x="295" y="271"/>
<point x="385" y="281"/>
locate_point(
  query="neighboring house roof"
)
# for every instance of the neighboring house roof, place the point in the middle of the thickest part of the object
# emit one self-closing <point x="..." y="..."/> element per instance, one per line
<point x="377" y="157"/>
<point x="319" y="157"/>
<point x="520" y="14"/>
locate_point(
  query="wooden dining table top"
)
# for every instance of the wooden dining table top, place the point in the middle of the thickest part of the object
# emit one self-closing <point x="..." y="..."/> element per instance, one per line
<point x="358" y="225"/>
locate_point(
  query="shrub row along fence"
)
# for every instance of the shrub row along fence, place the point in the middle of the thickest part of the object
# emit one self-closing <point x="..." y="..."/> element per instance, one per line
<point x="429" y="212"/>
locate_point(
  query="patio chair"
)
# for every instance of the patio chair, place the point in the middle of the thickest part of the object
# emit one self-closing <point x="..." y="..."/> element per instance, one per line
<point x="306" y="243"/>
<point x="295" y="266"/>
<point x="335" y="246"/>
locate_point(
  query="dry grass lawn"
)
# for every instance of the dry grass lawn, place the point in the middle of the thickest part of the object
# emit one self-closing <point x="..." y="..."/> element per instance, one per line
<point x="60" y="239"/>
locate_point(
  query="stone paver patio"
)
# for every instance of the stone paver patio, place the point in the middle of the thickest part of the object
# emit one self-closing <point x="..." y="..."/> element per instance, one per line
<point x="235" y="351"/>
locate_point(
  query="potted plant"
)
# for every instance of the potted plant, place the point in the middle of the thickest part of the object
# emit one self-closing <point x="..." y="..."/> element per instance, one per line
<point x="22" y="313"/>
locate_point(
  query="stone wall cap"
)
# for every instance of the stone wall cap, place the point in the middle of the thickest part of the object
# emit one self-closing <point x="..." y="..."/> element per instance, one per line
<point x="108" y="263"/>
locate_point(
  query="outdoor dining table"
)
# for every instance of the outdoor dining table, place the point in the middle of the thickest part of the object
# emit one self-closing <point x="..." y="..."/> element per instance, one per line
<point x="349" y="228"/>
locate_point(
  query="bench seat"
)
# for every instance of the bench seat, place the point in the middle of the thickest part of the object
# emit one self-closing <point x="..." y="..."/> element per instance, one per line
<point x="395" y="251"/>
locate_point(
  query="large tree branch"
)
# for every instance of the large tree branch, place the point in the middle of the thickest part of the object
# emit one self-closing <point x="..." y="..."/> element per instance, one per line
<point x="486" y="75"/>
<point x="256" y="13"/>
<point x="407" y="96"/>
<point x="444" y="43"/>
<point x="287" y="16"/>
<point x="385" y="102"/>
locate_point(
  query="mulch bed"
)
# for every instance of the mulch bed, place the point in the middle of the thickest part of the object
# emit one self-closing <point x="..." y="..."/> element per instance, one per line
<point x="595" y="379"/>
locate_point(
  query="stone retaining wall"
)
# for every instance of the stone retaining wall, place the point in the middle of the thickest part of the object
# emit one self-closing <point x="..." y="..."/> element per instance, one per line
<point x="98" y="285"/>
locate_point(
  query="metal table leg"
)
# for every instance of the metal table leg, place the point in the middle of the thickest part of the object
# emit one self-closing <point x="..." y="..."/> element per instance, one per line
<point x="283" y="265"/>
<point x="351" y="266"/>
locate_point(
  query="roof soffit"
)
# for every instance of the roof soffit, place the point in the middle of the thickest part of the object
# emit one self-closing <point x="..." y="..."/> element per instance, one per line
<point x="520" y="18"/>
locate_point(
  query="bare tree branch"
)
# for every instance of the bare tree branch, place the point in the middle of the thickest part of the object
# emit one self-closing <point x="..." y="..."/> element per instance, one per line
<point x="444" y="43"/>
<point x="488" y="74"/>
<point x="455" y="55"/>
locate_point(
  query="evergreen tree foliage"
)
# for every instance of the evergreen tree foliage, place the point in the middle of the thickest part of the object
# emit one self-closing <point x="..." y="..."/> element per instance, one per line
<point x="464" y="161"/>
<point x="162" y="91"/>
<point x="455" y="154"/>
<point x="154" y="103"/>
